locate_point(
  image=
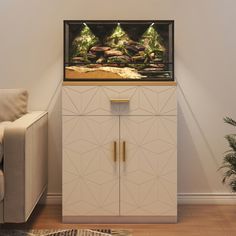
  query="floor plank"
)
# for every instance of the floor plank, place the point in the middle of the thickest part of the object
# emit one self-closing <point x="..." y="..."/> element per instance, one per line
<point x="193" y="220"/>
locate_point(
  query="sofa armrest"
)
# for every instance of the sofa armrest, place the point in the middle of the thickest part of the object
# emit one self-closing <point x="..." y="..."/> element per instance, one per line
<point x="25" y="165"/>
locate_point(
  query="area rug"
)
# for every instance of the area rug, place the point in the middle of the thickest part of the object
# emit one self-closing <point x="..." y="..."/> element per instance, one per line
<point x="66" y="232"/>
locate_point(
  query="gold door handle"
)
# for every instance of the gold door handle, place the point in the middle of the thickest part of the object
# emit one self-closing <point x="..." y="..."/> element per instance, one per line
<point x="119" y="100"/>
<point x="114" y="157"/>
<point x="124" y="151"/>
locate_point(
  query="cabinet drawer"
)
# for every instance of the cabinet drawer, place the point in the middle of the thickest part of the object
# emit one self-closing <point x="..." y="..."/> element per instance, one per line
<point x="141" y="100"/>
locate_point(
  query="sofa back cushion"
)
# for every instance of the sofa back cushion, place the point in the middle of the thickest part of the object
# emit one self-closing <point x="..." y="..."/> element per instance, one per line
<point x="13" y="104"/>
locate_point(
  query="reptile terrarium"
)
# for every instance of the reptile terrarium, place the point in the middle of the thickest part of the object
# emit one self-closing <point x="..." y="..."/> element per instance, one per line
<point x="118" y="50"/>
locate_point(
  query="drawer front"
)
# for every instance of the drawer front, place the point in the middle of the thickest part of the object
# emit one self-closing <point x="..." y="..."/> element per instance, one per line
<point x="96" y="100"/>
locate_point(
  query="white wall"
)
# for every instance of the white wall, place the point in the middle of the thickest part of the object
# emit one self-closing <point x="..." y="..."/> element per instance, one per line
<point x="31" y="50"/>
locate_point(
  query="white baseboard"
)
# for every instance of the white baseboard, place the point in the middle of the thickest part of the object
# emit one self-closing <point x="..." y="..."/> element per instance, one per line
<point x="207" y="198"/>
<point x="52" y="199"/>
<point x="183" y="198"/>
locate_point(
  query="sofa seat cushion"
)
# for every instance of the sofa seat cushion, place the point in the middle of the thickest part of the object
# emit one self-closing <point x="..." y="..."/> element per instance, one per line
<point x="13" y="104"/>
<point x="1" y="185"/>
<point x="2" y="127"/>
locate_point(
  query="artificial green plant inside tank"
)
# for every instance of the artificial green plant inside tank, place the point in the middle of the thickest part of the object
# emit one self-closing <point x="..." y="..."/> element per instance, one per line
<point x="82" y="43"/>
<point x="152" y="42"/>
<point x="118" y="38"/>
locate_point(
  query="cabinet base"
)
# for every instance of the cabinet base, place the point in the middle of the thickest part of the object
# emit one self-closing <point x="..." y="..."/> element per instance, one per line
<point x="119" y="219"/>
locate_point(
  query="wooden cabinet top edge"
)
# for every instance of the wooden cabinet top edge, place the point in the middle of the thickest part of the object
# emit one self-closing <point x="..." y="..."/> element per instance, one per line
<point x="119" y="83"/>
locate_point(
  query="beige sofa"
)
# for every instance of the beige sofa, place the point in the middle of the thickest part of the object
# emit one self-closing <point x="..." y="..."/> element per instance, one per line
<point x="23" y="156"/>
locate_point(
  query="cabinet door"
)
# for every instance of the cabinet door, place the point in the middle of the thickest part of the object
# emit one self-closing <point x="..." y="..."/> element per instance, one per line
<point x="148" y="175"/>
<point x="90" y="174"/>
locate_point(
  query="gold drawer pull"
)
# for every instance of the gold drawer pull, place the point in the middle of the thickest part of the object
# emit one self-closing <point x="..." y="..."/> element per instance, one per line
<point x="119" y="100"/>
<point x="124" y="151"/>
<point x="114" y="157"/>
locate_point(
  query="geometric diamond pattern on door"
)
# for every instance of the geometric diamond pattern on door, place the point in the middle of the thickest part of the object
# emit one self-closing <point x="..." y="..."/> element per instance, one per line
<point x="95" y="100"/>
<point x="148" y="176"/>
<point x="90" y="176"/>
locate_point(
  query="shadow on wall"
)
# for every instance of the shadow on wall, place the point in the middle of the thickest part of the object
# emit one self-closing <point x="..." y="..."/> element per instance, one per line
<point x="191" y="174"/>
<point x="55" y="143"/>
<point x="196" y="159"/>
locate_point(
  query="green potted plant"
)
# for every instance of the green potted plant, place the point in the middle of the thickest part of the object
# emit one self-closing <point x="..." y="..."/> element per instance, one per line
<point x="229" y="161"/>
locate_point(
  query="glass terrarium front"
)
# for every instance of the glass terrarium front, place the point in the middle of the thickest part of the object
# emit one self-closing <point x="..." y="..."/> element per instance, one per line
<point x="124" y="50"/>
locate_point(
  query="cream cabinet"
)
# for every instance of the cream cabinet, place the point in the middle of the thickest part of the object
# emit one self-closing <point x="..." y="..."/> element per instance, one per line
<point x="119" y="154"/>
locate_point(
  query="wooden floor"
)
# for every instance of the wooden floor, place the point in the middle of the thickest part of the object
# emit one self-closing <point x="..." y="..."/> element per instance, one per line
<point x="204" y="220"/>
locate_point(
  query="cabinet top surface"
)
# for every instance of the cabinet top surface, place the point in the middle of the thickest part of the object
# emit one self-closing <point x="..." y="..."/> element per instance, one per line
<point x="119" y="83"/>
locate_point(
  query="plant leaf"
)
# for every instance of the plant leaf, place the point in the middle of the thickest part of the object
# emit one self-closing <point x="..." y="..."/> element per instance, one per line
<point x="231" y="138"/>
<point x="230" y="121"/>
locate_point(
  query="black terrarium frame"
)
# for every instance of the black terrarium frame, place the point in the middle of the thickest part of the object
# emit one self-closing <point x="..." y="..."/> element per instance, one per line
<point x="73" y="27"/>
